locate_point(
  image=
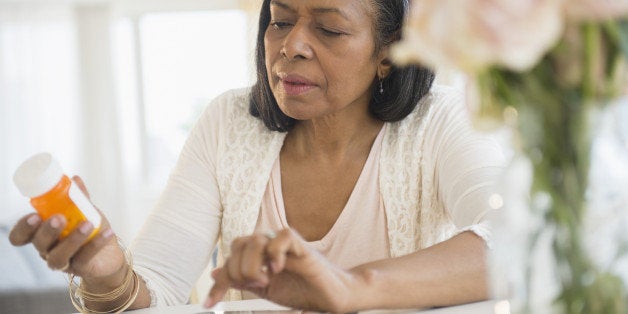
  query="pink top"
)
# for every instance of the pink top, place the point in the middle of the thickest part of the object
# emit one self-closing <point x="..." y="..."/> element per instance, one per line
<point x="359" y="234"/>
<point x="436" y="175"/>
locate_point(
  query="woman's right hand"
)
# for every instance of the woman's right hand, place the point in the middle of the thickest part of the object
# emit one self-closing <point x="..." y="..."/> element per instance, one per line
<point x="97" y="259"/>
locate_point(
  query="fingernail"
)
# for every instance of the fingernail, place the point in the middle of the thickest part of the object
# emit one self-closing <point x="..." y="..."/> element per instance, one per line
<point x="215" y="272"/>
<point x="107" y="233"/>
<point x="54" y="222"/>
<point x="274" y="267"/>
<point x="208" y="302"/>
<point x="33" y="220"/>
<point x="86" y="227"/>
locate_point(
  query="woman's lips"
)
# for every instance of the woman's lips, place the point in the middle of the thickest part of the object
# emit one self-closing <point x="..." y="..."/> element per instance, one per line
<point x="294" y="84"/>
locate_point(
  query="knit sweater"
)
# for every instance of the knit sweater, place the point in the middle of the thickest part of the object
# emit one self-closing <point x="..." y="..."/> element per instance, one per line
<point x="436" y="177"/>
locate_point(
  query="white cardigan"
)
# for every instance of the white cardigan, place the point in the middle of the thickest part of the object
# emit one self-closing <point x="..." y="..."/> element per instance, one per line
<point x="436" y="177"/>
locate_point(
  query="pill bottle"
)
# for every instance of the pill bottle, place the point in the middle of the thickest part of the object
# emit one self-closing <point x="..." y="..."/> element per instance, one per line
<point x="51" y="192"/>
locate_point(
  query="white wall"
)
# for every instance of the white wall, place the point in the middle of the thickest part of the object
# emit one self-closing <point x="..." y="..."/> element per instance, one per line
<point x="60" y="88"/>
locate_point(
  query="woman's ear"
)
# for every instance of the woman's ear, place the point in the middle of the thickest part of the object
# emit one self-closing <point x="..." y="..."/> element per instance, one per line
<point x="385" y="65"/>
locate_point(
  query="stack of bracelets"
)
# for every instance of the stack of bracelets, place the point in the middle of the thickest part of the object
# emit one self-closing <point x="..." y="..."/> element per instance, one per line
<point x="80" y="297"/>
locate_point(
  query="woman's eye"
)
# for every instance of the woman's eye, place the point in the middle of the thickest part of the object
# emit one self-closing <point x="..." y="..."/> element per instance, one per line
<point x="279" y="25"/>
<point x="329" y="32"/>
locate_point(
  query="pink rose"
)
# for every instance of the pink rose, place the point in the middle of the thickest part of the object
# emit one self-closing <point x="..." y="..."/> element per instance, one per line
<point x="596" y="10"/>
<point x="473" y="34"/>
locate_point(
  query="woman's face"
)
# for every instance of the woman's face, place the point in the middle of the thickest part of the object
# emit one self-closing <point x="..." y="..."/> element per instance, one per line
<point x="320" y="56"/>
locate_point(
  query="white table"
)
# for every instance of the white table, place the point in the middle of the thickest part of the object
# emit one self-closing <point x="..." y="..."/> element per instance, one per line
<point x="261" y="306"/>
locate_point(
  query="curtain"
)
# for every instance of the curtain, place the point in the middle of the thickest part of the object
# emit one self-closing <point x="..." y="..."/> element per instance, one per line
<point x="38" y="91"/>
<point x="57" y="95"/>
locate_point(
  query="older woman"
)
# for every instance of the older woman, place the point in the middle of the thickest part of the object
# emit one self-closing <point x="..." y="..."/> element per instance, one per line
<point x="339" y="182"/>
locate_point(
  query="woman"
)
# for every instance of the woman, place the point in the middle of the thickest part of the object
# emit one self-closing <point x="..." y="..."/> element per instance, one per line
<point x="339" y="182"/>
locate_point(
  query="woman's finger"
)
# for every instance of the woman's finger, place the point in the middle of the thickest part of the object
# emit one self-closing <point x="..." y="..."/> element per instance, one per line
<point x="286" y="242"/>
<point x="59" y="256"/>
<point x="232" y="264"/>
<point x="24" y="230"/>
<point x="79" y="182"/>
<point x="253" y="261"/>
<point x="222" y="283"/>
<point x="48" y="233"/>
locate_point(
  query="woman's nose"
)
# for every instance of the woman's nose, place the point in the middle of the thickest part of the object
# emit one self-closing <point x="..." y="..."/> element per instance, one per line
<point x="296" y="44"/>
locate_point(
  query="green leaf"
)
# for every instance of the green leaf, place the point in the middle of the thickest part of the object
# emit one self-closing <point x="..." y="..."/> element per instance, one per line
<point x="618" y="32"/>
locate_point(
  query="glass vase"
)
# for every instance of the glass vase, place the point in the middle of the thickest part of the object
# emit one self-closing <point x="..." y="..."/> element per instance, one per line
<point x="560" y="240"/>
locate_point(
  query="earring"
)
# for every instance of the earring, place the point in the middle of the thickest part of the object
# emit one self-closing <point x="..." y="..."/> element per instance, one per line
<point x="381" y="86"/>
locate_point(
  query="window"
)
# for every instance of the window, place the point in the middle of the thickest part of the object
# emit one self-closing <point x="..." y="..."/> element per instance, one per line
<point x="57" y="87"/>
<point x="186" y="59"/>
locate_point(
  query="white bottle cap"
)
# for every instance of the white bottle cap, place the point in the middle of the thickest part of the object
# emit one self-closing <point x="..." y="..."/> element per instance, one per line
<point x="37" y="175"/>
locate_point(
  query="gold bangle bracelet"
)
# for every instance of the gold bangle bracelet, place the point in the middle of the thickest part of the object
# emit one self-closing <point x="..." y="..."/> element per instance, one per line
<point x="81" y="307"/>
<point x="79" y="296"/>
<point x="109" y="296"/>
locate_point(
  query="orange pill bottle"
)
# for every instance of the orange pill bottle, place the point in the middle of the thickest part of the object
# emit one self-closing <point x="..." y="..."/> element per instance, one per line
<point x="41" y="179"/>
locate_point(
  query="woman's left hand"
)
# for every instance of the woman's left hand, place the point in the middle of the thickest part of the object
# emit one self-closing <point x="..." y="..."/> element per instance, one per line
<point x="284" y="270"/>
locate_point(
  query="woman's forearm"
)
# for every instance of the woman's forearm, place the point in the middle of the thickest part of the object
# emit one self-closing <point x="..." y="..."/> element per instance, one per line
<point x="448" y="273"/>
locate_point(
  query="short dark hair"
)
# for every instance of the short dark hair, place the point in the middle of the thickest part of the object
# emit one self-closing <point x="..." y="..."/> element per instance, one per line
<point x="403" y="87"/>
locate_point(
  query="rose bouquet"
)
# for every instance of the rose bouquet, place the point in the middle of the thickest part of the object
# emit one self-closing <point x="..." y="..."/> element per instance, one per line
<point x="544" y="68"/>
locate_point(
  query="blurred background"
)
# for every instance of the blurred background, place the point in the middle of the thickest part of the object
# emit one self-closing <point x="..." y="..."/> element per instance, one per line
<point x="110" y="88"/>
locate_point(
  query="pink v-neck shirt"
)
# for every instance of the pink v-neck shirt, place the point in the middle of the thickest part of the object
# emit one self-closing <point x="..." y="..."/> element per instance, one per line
<point x="359" y="235"/>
